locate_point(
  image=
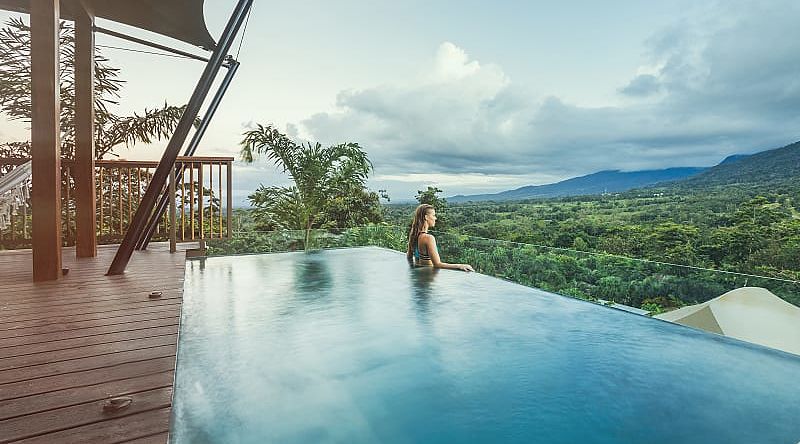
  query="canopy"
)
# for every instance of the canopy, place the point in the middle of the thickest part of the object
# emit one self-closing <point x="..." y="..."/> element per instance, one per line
<point x="752" y="314"/>
<point x="180" y="19"/>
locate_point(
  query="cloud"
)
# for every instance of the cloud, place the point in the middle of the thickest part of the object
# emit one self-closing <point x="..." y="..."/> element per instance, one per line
<point x="642" y="85"/>
<point x="704" y="90"/>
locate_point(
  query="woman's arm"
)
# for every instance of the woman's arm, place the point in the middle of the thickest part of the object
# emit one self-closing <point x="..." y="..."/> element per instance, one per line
<point x="433" y="252"/>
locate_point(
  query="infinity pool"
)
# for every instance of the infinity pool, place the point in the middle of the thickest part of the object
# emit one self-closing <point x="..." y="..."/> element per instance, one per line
<point x="353" y="346"/>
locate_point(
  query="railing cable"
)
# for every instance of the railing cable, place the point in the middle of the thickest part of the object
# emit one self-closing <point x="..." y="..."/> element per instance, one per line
<point x="144" y="52"/>
<point x="244" y="32"/>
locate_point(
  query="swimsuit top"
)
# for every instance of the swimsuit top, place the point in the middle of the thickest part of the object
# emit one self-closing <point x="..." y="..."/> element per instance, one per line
<point x="417" y="254"/>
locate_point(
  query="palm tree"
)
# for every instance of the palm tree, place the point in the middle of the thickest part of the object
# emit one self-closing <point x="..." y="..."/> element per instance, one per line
<point x="111" y="130"/>
<point x="320" y="175"/>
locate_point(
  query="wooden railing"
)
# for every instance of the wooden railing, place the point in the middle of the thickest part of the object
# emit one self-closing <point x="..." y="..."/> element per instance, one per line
<point x="203" y="200"/>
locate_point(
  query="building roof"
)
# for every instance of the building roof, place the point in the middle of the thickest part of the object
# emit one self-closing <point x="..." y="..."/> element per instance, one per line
<point x="179" y="19"/>
<point x="752" y="314"/>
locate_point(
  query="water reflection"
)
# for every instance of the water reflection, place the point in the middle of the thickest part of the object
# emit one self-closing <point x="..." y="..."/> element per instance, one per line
<point x="312" y="276"/>
<point x="421" y="282"/>
<point x="369" y="354"/>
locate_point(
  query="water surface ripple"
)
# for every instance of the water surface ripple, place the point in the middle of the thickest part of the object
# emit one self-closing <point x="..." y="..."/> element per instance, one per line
<point x="353" y="346"/>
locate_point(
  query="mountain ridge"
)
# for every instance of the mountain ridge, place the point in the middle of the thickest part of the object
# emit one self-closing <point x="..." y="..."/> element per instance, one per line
<point x="768" y="166"/>
<point x="775" y="165"/>
<point x="606" y="181"/>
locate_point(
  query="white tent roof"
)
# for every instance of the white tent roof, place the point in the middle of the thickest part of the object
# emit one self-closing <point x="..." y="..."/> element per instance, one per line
<point x="752" y="314"/>
<point x="180" y="19"/>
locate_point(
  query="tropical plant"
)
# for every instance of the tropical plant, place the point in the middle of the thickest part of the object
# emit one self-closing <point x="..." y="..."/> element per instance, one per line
<point x="111" y="130"/>
<point x="329" y="183"/>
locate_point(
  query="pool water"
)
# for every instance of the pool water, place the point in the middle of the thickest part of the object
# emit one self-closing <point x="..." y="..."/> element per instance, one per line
<point x="354" y="346"/>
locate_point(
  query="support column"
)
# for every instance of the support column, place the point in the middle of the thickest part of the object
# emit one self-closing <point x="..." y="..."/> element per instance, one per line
<point x="45" y="141"/>
<point x="166" y="165"/>
<point x="85" y="218"/>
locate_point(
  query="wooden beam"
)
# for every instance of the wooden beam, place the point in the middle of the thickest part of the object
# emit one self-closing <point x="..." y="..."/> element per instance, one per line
<point x="45" y="140"/>
<point x="167" y="164"/>
<point x="85" y="222"/>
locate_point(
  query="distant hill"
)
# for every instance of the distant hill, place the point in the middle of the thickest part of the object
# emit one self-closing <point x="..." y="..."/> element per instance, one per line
<point x="733" y="158"/>
<point x="777" y="165"/>
<point x="612" y="181"/>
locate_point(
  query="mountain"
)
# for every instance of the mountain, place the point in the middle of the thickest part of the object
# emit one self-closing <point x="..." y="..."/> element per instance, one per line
<point x="772" y="166"/>
<point x="611" y="181"/>
<point x="733" y="158"/>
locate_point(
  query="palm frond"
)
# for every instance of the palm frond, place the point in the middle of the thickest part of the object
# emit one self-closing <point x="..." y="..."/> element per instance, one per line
<point x="155" y="124"/>
<point x="268" y="141"/>
<point x="280" y="207"/>
<point x="329" y="182"/>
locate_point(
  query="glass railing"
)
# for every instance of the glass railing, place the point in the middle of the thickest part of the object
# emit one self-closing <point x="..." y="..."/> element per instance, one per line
<point x="648" y="285"/>
<point x="254" y="242"/>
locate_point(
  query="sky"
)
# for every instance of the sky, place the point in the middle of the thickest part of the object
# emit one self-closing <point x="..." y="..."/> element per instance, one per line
<point x="481" y="97"/>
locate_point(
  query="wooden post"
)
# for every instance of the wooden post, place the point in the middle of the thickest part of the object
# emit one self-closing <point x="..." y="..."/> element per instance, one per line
<point x="172" y="229"/>
<point x="85" y="223"/>
<point x="45" y="140"/>
<point x="230" y="197"/>
<point x="200" y="202"/>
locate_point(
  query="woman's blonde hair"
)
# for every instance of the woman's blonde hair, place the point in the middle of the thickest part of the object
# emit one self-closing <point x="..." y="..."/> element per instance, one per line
<point x="417" y="224"/>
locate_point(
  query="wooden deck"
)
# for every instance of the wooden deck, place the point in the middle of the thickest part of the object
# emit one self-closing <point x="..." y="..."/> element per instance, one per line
<point x="67" y="347"/>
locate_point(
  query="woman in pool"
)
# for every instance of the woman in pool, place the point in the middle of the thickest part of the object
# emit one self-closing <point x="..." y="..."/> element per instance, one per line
<point x="422" y="246"/>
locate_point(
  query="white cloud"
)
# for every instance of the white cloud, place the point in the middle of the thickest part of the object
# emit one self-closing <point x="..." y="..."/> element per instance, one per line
<point x="453" y="63"/>
<point x="704" y="91"/>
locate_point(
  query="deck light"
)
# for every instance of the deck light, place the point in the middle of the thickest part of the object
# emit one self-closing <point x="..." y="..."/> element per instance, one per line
<point x="114" y="405"/>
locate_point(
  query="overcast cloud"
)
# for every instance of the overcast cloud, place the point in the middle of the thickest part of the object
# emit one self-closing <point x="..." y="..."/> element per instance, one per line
<point x="727" y="84"/>
<point x="491" y="97"/>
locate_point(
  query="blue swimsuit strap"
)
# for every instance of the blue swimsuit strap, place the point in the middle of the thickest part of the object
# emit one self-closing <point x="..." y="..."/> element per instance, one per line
<point x="417" y="253"/>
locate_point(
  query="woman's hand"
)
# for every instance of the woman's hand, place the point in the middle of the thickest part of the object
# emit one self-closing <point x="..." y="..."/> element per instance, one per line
<point x="465" y="267"/>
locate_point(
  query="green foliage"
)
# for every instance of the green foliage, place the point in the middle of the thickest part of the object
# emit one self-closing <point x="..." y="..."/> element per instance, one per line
<point x="111" y="130"/>
<point x="753" y="229"/>
<point x="778" y="167"/>
<point x="251" y="242"/>
<point x="431" y="197"/>
<point x="652" y="307"/>
<point x="620" y="247"/>
<point x="329" y="188"/>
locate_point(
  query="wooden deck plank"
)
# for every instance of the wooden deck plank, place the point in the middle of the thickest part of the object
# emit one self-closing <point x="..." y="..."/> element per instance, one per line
<point x="86" y="328"/>
<point x="83" y="298"/>
<point x="88" y="363"/>
<point x="78" y="395"/>
<point x="66" y="346"/>
<point x="31" y="361"/>
<point x="99" y="316"/>
<point x="160" y="438"/>
<point x="90" y="413"/>
<point x="153" y="279"/>
<point x="119" y="372"/>
<point x="85" y="325"/>
<point x="94" y="312"/>
<point x="110" y="431"/>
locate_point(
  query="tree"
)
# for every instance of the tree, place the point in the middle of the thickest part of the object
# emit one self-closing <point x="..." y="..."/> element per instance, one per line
<point x="430" y="197"/>
<point x="329" y="183"/>
<point x="111" y="130"/>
